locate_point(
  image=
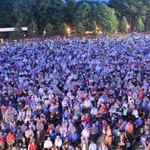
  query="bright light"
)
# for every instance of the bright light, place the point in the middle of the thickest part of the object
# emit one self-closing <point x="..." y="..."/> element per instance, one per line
<point x="68" y="30"/>
<point x="96" y="28"/>
<point x="1" y="41"/>
<point x="24" y="35"/>
<point x="128" y="26"/>
<point x="44" y="32"/>
<point x="33" y="31"/>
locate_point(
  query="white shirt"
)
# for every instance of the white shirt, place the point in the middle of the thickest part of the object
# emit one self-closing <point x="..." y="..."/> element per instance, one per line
<point x="64" y="103"/>
<point x="48" y="144"/>
<point x="94" y="111"/>
<point x="135" y="113"/>
<point x="130" y="101"/>
<point x="47" y="102"/>
<point x="86" y="133"/>
<point x="87" y="103"/>
<point x="58" y="142"/>
<point x="92" y="146"/>
<point x="125" y="105"/>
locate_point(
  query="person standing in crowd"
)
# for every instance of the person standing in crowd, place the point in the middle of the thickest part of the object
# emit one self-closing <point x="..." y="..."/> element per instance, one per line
<point x="48" y="143"/>
<point x="108" y="136"/>
<point x="10" y="139"/>
<point x="102" y="146"/>
<point x="32" y="145"/>
<point x="121" y="144"/>
<point x="92" y="146"/>
<point x="58" y="141"/>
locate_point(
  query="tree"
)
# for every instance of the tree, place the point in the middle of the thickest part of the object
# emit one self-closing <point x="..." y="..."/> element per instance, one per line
<point x="123" y="25"/>
<point x="73" y="12"/>
<point x="56" y="13"/>
<point x="28" y="10"/>
<point x="94" y="12"/>
<point x="48" y="29"/>
<point x="80" y="29"/>
<point x="108" y="19"/>
<point x="140" y="25"/>
<point x="82" y="14"/>
<point x="147" y="22"/>
<point x="18" y="33"/>
<point x="94" y="27"/>
<point x="70" y="11"/>
<point x="131" y="9"/>
<point x="20" y="11"/>
<point x="32" y="29"/>
<point x="63" y="29"/>
<point x="42" y="13"/>
<point x="6" y="13"/>
<point x="147" y="19"/>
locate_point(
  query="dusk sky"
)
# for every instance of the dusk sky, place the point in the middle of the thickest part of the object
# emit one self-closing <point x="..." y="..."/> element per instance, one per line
<point x="95" y="0"/>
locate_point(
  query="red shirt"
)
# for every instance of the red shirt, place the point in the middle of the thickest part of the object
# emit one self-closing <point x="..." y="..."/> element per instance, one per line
<point x="10" y="138"/>
<point x="140" y="95"/>
<point x="4" y="110"/>
<point x="103" y="107"/>
<point x="86" y="119"/>
<point x="32" y="146"/>
<point x="2" y="139"/>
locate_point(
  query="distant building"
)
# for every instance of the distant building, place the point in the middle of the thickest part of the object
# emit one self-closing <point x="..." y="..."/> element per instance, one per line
<point x="12" y="29"/>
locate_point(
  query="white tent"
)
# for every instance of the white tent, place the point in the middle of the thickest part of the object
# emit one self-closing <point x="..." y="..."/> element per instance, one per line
<point x="12" y="29"/>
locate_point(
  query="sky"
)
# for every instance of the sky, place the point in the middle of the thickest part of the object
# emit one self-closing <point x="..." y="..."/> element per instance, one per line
<point x="96" y="0"/>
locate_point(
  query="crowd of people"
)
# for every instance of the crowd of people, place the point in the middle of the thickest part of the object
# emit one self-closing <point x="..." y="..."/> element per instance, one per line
<point x="75" y="94"/>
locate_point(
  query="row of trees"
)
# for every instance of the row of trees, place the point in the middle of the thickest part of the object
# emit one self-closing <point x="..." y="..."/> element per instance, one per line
<point x="48" y="17"/>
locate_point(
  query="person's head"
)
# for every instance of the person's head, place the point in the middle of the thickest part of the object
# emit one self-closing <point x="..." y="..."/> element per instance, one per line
<point x="77" y="148"/>
<point x="108" y="127"/>
<point x="58" y="137"/>
<point x="66" y="144"/>
<point x="56" y="148"/>
<point x="48" y="138"/>
<point x="92" y="141"/>
<point x="147" y="132"/>
<point x="93" y="125"/>
<point x="33" y="141"/>
<point x="83" y="141"/>
<point x="122" y="136"/>
<point x="141" y="130"/>
<point x="66" y="139"/>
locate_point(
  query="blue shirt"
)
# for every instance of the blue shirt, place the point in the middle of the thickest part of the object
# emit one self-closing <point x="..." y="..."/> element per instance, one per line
<point x="92" y="146"/>
<point x="72" y="137"/>
<point x="66" y="115"/>
<point x="53" y="135"/>
<point x="138" y="122"/>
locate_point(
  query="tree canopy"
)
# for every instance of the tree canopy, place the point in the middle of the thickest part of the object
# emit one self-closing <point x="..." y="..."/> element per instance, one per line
<point x="108" y="19"/>
<point x="123" y="25"/>
<point x="50" y="14"/>
<point x="140" y="25"/>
